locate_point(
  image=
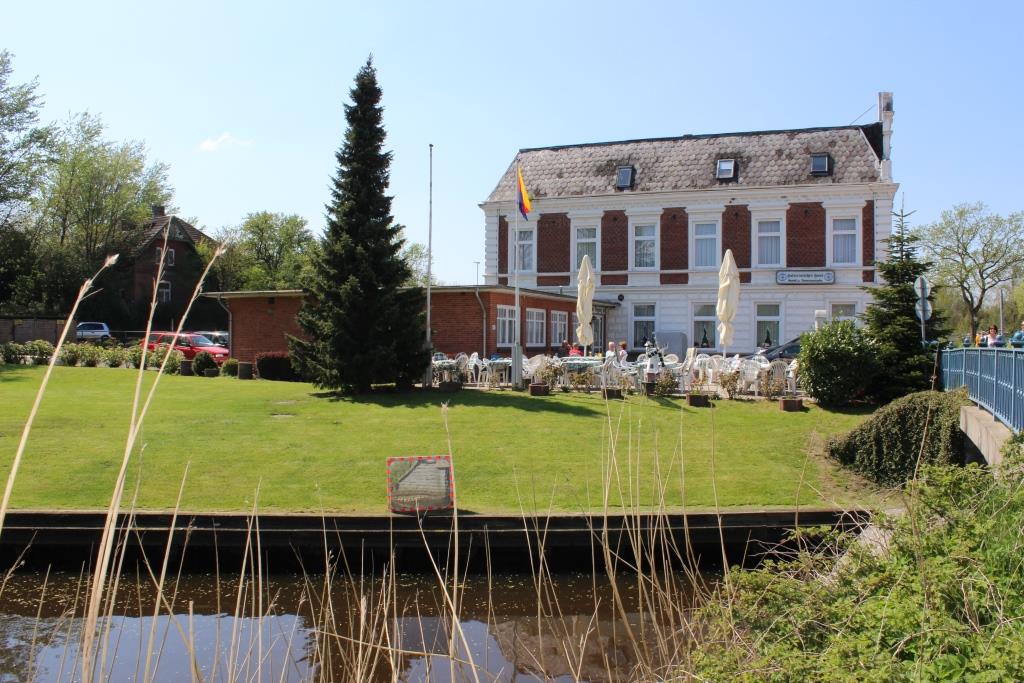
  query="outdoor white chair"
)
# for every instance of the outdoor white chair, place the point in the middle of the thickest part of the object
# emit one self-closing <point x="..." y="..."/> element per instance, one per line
<point x="533" y="366"/>
<point x="473" y="367"/>
<point x="671" y="358"/>
<point x="610" y="373"/>
<point x="792" y="375"/>
<point x="462" y="365"/>
<point x="699" y="371"/>
<point x="750" y="376"/>
<point x="777" y="373"/>
<point x="716" y="366"/>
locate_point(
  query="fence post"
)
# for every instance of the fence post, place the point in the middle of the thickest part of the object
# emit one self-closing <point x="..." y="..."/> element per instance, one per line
<point x="1013" y="391"/>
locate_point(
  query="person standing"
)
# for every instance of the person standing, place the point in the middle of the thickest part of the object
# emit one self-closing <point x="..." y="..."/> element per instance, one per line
<point x="993" y="339"/>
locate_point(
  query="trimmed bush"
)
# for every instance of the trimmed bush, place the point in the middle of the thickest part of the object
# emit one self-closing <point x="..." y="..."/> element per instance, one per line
<point x="230" y="367"/>
<point x="203" y="362"/>
<point x="91" y="355"/>
<point x="70" y="354"/>
<point x="276" y="365"/>
<point x="115" y="356"/>
<point x="40" y="351"/>
<point x="837" y="363"/>
<point x="885" y="448"/>
<point x="135" y="357"/>
<point x="174" y="358"/>
<point x="12" y="352"/>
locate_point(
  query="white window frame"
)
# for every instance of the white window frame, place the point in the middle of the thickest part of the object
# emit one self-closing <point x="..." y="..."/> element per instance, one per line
<point x="838" y="212"/>
<point x="732" y="169"/>
<point x="768" y="318"/>
<point x="756" y="218"/>
<point x="694" y="222"/>
<point x="832" y="316"/>
<point x="516" y="243"/>
<point x="170" y="256"/>
<point x="596" y="265"/>
<point x="713" y="318"/>
<point x="504" y="316"/>
<point x="634" y="343"/>
<point x="163" y="294"/>
<point x="533" y="324"/>
<point x="559" y="327"/>
<point x="633" y="225"/>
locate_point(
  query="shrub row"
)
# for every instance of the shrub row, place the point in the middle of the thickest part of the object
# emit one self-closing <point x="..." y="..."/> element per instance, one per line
<point x="885" y="448"/>
<point x="39" y="352"/>
<point x="276" y="365"/>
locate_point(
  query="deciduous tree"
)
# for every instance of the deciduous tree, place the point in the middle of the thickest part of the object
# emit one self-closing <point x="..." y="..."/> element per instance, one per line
<point x="975" y="252"/>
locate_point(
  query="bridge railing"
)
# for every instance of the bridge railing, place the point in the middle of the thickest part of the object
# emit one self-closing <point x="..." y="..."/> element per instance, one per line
<point x="994" y="379"/>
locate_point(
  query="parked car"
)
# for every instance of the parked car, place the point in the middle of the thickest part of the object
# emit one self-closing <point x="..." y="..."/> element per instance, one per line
<point x="787" y="351"/>
<point x="92" y="331"/>
<point x="218" y="338"/>
<point x="189" y="344"/>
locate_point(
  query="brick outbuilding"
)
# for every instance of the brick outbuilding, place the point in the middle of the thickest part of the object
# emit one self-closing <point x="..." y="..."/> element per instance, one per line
<point x="463" y="319"/>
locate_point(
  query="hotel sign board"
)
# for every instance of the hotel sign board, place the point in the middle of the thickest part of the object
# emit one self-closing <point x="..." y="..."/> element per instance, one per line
<point x="805" y="277"/>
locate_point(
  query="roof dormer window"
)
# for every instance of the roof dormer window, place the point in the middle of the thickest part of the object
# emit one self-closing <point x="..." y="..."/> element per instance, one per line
<point x="726" y="169"/>
<point x="624" y="176"/>
<point x="821" y="164"/>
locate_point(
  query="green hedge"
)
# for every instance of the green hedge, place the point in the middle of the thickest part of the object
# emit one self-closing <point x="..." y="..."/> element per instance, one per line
<point x="885" y="447"/>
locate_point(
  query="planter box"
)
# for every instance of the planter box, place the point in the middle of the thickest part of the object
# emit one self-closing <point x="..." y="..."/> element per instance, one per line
<point x="211" y="372"/>
<point x="244" y="370"/>
<point x="791" y="405"/>
<point x="539" y="389"/>
<point x="649" y="388"/>
<point x="611" y="393"/>
<point x="186" y="368"/>
<point x="449" y="386"/>
<point x="698" y="400"/>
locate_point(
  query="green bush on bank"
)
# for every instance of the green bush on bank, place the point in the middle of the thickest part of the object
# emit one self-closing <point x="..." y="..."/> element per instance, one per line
<point x="837" y="363"/>
<point x="229" y="368"/>
<point x="885" y="448"/>
<point x="943" y="603"/>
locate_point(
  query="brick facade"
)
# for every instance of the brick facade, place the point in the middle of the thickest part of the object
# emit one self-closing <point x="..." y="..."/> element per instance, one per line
<point x="614" y="246"/>
<point x="868" y="233"/>
<point x="675" y="246"/>
<point x="736" y="233"/>
<point x="261" y="323"/>
<point x="553" y="243"/>
<point x="805" y="235"/>
<point x="502" y="248"/>
<point x="456" y="321"/>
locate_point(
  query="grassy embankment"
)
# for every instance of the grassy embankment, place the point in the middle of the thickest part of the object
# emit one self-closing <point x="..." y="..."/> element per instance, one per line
<point x="307" y="451"/>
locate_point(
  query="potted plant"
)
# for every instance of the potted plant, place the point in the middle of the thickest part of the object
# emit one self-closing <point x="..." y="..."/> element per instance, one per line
<point x="544" y="380"/>
<point x="699" y="395"/>
<point x="454" y="381"/>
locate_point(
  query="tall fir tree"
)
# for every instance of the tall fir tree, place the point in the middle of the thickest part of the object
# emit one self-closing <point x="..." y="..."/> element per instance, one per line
<point x="364" y="326"/>
<point x="891" y="322"/>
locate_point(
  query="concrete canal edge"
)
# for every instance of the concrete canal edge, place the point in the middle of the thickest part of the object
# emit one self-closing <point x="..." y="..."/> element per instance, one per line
<point x="510" y="541"/>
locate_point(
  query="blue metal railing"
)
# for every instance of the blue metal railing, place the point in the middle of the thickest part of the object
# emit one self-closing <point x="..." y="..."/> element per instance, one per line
<point x="994" y="379"/>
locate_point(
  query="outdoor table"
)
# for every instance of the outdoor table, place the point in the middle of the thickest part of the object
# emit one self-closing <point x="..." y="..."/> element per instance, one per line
<point x="502" y="366"/>
<point x="444" y="369"/>
<point x="578" y="364"/>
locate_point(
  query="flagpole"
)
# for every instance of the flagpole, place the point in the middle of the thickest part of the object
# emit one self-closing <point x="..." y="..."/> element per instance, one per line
<point x="517" y="350"/>
<point x="428" y="377"/>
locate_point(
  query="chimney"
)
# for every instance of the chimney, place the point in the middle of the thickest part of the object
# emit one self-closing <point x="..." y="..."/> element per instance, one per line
<point x="158" y="210"/>
<point x="885" y="112"/>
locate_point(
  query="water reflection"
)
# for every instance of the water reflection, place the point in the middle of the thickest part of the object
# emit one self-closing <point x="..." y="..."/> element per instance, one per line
<point x="293" y="629"/>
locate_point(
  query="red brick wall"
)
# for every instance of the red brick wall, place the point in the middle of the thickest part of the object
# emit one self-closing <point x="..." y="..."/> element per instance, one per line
<point x="736" y="233"/>
<point x="502" y="249"/>
<point x="257" y="325"/>
<point x="456" y="322"/>
<point x="552" y="280"/>
<point x="675" y="247"/>
<point x="553" y="243"/>
<point x="805" y="235"/>
<point x="614" y="246"/>
<point x="494" y="299"/>
<point x="868" y="233"/>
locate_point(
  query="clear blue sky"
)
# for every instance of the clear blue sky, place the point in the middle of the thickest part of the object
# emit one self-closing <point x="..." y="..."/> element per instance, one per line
<point x="263" y="85"/>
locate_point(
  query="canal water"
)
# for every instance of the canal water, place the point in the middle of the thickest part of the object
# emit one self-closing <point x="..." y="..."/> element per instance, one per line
<point x="294" y="628"/>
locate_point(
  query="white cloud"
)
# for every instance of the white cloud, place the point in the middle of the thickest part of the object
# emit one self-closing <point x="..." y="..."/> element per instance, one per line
<point x="225" y="139"/>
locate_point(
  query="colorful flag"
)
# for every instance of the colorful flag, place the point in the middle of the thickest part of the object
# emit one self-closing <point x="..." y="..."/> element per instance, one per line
<point x="525" y="206"/>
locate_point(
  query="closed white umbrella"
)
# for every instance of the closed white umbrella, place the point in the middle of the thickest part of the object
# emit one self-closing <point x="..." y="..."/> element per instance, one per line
<point x="585" y="303"/>
<point x="728" y="298"/>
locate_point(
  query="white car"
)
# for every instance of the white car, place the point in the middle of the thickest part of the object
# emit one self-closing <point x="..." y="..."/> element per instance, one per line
<point x="92" y="331"/>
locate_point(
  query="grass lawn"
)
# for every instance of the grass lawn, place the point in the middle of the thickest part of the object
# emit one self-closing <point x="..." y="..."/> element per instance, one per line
<point x="308" y="452"/>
